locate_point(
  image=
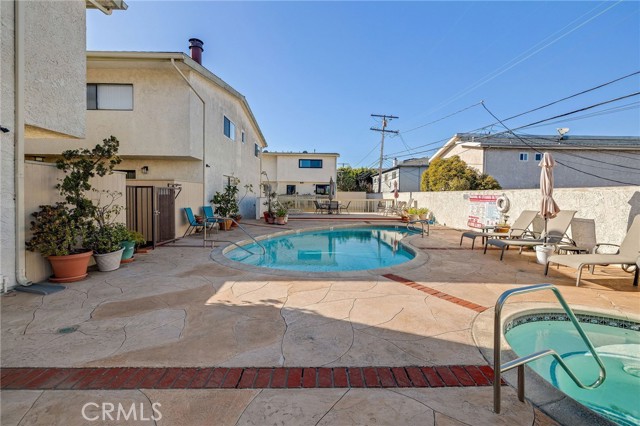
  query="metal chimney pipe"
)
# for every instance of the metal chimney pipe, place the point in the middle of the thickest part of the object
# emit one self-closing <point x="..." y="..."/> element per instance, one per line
<point x="195" y="45"/>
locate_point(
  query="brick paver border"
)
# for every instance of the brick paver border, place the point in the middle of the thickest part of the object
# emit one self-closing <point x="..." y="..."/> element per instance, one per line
<point x="117" y="378"/>
<point x="437" y="293"/>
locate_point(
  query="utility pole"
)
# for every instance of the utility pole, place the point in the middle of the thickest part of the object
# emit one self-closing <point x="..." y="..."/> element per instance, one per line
<point x="383" y="131"/>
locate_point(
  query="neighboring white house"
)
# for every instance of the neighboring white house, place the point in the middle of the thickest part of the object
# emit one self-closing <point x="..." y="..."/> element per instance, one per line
<point x="177" y="122"/>
<point x="407" y="174"/>
<point x="301" y="173"/>
<point x="43" y="95"/>
<point x="583" y="161"/>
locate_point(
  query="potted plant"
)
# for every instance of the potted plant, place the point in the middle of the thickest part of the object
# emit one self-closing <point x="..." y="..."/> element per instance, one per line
<point x="104" y="236"/>
<point x="271" y="197"/>
<point x="248" y="188"/>
<point x="58" y="229"/>
<point x="281" y="214"/>
<point x="226" y="204"/>
<point x="423" y="213"/>
<point x="55" y="235"/>
<point x="133" y="240"/>
<point x="413" y="214"/>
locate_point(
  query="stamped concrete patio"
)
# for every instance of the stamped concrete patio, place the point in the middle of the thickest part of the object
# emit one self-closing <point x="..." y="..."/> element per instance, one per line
<point x="216" y="343"/>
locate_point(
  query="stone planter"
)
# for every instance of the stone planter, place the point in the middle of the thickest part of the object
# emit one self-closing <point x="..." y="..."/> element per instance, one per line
<point x="542" y="253"/>
<point x="413" y="217"/>
<point x="67" y="269"/>
<point x="108" y="261"/>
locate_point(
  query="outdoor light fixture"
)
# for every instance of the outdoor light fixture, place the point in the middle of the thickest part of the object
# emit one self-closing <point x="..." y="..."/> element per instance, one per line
<point x="4" y="129"/>
<point x="145" y="170"/>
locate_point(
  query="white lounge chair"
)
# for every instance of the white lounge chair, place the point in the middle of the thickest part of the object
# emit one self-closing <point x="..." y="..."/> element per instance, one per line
<point x="629" y="254"/>
<point x="519" y="229"/>
<point x="556" y="233"/>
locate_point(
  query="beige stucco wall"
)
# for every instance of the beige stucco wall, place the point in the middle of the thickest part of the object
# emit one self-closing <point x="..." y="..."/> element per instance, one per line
<point x="612" y="208"/>
<point x="470" y="154"/>
<point x="164" y="130"/>
<point x="7" y="119"/>
<point x="283" y="170"/>
<point x="41" y="179"/>
<point x="55" y="67"/>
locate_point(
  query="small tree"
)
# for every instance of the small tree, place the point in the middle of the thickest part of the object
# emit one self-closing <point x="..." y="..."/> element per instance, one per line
<point x="453" y="174"/>
<point x="79" y="166"/>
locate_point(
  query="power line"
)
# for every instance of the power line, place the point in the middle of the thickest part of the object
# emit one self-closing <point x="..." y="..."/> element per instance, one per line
<point x="537" y="108"/>
<point x="536" y="150"/>
<point x="445" y="117"/>
<point x="496" y="73"/>
<point x="365" y="157"/>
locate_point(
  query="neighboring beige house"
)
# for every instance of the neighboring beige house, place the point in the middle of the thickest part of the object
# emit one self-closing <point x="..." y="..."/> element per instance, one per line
<point x="179" y="125"/>
<point x="43" y="94"/>
<point x="587" y="161"/>
<point x="406" y="173"/>
<point x="301" y="173"/>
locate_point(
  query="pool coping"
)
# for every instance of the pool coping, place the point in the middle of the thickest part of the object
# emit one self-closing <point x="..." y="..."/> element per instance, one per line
<point x="217" y="254"/>
<point x="538" y="391"/>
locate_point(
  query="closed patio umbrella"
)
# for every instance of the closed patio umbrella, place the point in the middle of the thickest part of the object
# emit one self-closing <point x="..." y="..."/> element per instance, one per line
<point x="548" y="207"/>
<point x="332" y="189"/>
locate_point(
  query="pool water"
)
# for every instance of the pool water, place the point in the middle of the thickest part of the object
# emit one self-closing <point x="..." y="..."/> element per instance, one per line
<point x="618" y="345"/>
<point x="344" y="249"/>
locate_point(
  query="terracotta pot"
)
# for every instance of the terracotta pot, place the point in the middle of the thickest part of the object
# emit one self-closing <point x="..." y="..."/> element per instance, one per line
<point x="67" y="269"/>
<point x="226" y="225"/>
<point x="280" y="220"/>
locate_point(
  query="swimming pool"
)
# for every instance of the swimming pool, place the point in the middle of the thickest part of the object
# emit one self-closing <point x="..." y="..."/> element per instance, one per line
<point x="329" y="250"/>
<point x="617" y="342"/>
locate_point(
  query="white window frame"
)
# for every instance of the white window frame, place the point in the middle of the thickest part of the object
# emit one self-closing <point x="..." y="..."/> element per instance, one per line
<point x="524" y="156"/>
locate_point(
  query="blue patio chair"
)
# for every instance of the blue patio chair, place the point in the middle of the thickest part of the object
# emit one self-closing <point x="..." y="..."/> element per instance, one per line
<point x="193" y="223"/>
<point x="210" y="217"/>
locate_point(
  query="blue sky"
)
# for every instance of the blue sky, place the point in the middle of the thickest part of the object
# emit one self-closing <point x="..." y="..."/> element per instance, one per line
<point x="313" y="72"/>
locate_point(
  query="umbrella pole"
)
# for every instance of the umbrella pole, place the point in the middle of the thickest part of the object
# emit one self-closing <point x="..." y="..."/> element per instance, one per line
<point x="545" y="231"/>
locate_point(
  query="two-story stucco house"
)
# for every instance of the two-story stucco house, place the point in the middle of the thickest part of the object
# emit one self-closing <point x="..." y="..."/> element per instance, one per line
<point x="301" y="173"/>
<point x="405" y="174"/>
<point x="43" y="94"/>
<point x="178" y="124"/>
<point x="583" y="161"/>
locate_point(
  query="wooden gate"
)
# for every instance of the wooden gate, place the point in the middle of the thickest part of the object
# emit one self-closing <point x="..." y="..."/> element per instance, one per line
<point x="151" y="211"/>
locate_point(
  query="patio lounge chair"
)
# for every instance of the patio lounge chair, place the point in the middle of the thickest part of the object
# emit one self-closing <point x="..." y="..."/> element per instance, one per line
<point x="556" y="233"/>
<point x="518" y="230"/>
<point x="193" y="223"/>
<point x="345" y="208"/>
<point x="628" y="254"/>
<point x="211" y="218"/>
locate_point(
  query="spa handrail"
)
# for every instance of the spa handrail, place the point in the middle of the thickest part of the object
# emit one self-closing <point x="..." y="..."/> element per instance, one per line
<point x="411" y="226"/>
<point x="498" y="369"/>
<point x="264" y="250"/>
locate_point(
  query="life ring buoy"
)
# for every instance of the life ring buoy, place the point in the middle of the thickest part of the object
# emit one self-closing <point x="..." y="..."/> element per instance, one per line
<point x="503" y="204"/>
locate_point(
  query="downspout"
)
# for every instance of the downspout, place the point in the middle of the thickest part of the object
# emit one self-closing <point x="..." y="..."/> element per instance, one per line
<point x="18" y="153"/>
<point x="204" y="141"/>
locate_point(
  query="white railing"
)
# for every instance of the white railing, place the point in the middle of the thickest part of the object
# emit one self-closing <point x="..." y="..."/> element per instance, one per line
<point x="305" y="204"/>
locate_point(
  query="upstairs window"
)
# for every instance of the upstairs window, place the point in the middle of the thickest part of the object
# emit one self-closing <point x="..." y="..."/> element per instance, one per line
<point x="524" y="156"/>
<point x="310" y="164"/>
<point x="538" y="156"/>
<point x="110" y="97"/>
<point x="229" y="129"/>
<point x="242" y="136"/>
<point x="393" y="175"/>
<point x="256" y="150"/>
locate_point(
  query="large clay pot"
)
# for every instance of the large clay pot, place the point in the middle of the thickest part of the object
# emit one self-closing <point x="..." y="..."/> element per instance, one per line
<point x="226" y="224"/>
<point x="67" y="269"/>
<point x="108" y="261"/>
<point x="280" y="220"/>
